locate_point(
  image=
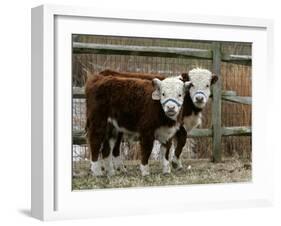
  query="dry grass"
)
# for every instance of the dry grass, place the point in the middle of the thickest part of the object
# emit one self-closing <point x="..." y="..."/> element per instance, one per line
<point x="201" y="172"/>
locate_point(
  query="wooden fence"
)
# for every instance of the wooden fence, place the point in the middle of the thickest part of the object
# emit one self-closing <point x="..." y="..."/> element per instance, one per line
<point x="218" y="95"/>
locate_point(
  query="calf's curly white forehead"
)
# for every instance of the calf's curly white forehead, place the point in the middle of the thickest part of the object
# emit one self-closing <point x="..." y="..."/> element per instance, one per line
<point x="201" y="81"/>
<point x="170" y="92"/>
<point x="200" y="75"/>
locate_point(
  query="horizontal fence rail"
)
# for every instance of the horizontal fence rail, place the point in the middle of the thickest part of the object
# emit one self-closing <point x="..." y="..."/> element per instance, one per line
<point x="80" y="138"/>
<point x="237" y="99"/>
<point x="227" y="95"/>
<point x="157" y="51"/>
<point x="226" y="131"/>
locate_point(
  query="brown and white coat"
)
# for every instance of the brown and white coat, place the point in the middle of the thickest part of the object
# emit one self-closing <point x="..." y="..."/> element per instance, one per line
<point x="147" y="109"/>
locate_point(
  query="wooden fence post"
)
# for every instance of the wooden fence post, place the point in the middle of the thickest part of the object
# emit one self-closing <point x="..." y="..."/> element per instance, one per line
<point x="216" y="105"/>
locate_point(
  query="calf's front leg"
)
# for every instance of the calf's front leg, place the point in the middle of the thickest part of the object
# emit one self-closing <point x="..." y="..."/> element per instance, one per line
<point x="180" y="140"/>
<point x="96" y="134"/>
<point x="146" y="149"/>
<point x="117" y="158"/>
<point x="165" y="150"/>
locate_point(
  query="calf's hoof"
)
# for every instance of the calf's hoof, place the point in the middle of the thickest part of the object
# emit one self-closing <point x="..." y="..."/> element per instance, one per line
<point x="167" y="171"/>
<point x="176" y="164"/>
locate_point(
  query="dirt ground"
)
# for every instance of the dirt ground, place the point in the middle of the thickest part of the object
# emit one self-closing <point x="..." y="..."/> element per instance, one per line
<point x="200" y="172"/>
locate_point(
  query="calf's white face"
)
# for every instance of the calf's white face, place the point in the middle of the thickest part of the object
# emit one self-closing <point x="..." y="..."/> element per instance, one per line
<point x="170" y="92"/>
<point x="200" y="87"/>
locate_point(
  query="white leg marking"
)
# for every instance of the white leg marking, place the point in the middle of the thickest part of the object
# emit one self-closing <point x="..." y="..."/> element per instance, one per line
<point x="165" y="162"/>
<point x="144" y="170"/>
<point x="108" y="162"/>
<point x="96" y="168"/>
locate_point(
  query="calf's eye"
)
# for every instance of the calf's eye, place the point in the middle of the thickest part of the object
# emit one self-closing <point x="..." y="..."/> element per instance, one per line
<point x="163" y="94"/>
<point x="207" y="86"/>
<point x="179" y="95"/>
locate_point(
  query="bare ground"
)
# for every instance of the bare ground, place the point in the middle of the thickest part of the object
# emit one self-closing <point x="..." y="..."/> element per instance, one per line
<point x="201" y="172"/>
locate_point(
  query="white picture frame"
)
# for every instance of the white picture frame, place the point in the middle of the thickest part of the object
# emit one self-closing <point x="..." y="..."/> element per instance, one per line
<point x="52" y="197"/>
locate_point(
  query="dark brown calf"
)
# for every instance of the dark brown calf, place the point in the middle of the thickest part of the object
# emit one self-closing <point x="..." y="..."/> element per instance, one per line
<point x="128" y="105"/>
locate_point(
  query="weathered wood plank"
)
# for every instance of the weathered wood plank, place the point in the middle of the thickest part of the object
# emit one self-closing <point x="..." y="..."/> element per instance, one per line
<point x="228" y="93"/>
<point x="93" y="48"/>
<point x="225" y="131"/>
<point x="78" y="133"/>
<point x="237" y="131"/>
<point x="157" y="51"/>
<point x="200" y="133"/>
<point x="79" y="136"/>
<point x="225" y="93"/>
<point x="216" y="105"/>
<point x="238" y="99"/>
<point x="78" y="92"/>
<point x="238" y="59"/>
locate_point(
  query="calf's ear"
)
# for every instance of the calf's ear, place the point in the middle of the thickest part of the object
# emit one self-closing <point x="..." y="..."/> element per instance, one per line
<point x="156" y="93"/>
<point x="185" y="77"/>
<point x="214" y="79"/>
<point x="187" y="85"/>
